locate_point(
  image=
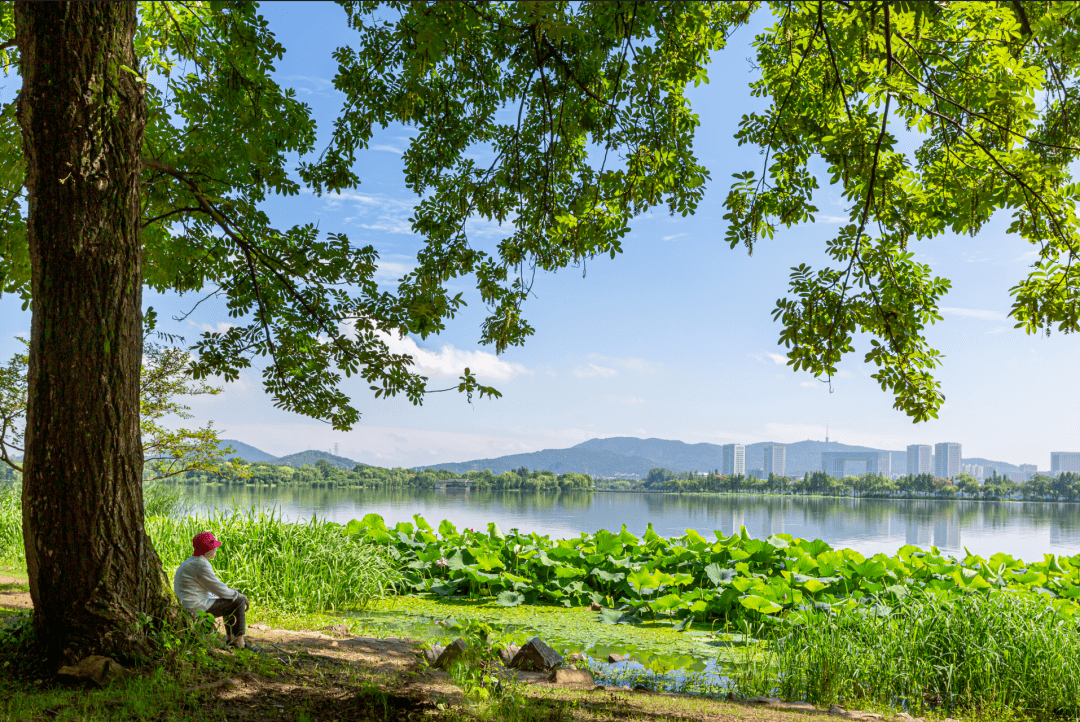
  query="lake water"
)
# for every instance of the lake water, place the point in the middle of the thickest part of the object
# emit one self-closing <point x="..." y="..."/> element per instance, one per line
<point x="1024" y="530"/>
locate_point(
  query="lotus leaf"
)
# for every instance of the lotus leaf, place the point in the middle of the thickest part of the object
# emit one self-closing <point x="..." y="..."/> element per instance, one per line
<point x="509" y="599"/>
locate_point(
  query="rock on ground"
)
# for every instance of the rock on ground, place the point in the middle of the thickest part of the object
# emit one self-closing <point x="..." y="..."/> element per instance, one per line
<point x="536" y="655"/>
<point x="97" y="669"/>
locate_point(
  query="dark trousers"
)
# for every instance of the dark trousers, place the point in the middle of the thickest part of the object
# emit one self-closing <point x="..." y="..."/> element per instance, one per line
<point x="232" y="610"/>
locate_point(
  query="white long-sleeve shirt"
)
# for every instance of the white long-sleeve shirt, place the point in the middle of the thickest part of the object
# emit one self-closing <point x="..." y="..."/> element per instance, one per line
<point x="196" y="585"/>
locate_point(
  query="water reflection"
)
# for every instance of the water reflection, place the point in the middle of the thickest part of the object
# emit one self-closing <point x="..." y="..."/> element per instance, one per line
<point x="1027" y="530"/>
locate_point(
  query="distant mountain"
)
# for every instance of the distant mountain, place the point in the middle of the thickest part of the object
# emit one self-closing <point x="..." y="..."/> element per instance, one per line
<point x="247" y="452"/>
<point x="1001" y="466"/>
<point x="597" y="462"/>
<point x="311" y="457"/>
<point x="632" y="457"/>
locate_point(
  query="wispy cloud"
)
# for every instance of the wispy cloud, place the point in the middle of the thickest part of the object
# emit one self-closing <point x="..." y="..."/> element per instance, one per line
<point x="390" y="270"/>
<point x="219" y="327"/>
<point x="673" y="237"/>
<point x="831" y="219"/>
<point x="640" y="366"/>
<point x="450" y="362"/>
<point x="973" y="313"/>
<point x="810" y="384"/>
<point x="587" y="371"/>
<point x="388" y="149"/>
<point x="777" y="358"/>
<point x="628" y="400"/>
<point x="375" y="212"/>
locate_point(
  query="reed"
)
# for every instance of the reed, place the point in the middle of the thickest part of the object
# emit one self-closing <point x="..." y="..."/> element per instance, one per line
<point x="1004" y="651"/>
<point x="283" y="567"/>
<point x="11" y="539"/>
<point x="306" y="567"/>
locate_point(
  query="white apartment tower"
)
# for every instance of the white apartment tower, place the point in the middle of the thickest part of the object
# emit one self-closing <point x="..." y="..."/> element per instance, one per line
<point x="1064" y="461"/>
<point x="946" y="460"/>
<point x="920" y="459"/>
<point x="775" y="458"/>
<point x="734" y="460"/>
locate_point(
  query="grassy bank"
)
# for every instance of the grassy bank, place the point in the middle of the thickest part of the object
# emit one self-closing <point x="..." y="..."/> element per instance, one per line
<point x="914" y="630"/>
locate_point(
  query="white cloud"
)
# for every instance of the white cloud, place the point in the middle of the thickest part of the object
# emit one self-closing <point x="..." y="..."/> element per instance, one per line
<point x="450" y="362"/>
<point x="777" y="358"/>
<point x="588" y="371"/>
<point x="673" y="237"/>
<point x="640" y="366"/>
<point x="392" y="271"/>
<point x="387" y="148"/>
<point x="379" y="212"/>
<point x="831" y="219"/>
<point x="628" y="400"/>
<point x="219" y="327"/>
<point x="811" y="384"/>
<point x="844" y="374"/>
<point x="972" y="313"/>
<point x="389" y="225"/>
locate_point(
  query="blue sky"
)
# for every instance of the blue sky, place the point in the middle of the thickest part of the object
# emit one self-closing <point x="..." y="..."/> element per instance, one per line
<point x="672" y="339"/>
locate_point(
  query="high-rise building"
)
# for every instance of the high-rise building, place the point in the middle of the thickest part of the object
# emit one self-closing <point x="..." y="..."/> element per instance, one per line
<point x="775" y="458"/>
<point x="946" y="460"/>
<point x="1064" y="461"/>
<point x="734" y="460"/>
<point x="919" y="459"/>
<point x="1028" y="471"/>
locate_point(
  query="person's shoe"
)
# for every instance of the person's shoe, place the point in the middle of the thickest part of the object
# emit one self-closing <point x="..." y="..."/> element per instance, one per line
<point x="238" y="642"/>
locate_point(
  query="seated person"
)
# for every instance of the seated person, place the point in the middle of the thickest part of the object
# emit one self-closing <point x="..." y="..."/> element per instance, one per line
<point x="199" y="589"/>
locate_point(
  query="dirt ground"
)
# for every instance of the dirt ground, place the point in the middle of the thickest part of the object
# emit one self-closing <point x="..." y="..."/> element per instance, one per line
<point x="339" y="677"/>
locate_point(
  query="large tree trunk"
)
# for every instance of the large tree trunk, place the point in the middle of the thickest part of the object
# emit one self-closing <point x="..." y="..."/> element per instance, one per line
<point x="82" y="111"/>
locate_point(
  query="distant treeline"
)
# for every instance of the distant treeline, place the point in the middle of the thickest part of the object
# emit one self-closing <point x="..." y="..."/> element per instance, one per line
<point x="1065" y="487"/>
<point x="374" y="477"/>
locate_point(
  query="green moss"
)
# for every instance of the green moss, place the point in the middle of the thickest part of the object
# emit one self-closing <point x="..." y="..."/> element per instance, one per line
<point x="656" y="645"/>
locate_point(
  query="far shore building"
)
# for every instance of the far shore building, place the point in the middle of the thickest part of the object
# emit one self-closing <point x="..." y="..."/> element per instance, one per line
<point x="835" y="463"/>
<point x="946" y="460"/>
<point x="775" y="459"/>
<point x="1028" y="471"/>
<point x="920" y="459"/>
<point x="734" y="460"/>
<point x="1062" y="462"/>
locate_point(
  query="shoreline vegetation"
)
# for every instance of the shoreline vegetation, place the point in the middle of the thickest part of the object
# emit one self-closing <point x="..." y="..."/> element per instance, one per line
<point x="1064" y="488"/>
<point x="782" y="616"/>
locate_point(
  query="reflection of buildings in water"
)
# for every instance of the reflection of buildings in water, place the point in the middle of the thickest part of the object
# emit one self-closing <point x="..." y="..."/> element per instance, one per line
<point x="917" y="532"/>
<point x="1064" y="532"/>
<point x="947" y="530"/>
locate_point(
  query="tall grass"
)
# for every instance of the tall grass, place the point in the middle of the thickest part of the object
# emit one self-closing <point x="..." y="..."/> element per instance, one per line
<point x="306" y="567"/>
<point x="11" y="538"/>
<point x="309" y="567"/>
<point x="1005" y="650"/>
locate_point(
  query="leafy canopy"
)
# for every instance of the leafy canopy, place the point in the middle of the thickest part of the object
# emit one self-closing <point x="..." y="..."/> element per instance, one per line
<point x="580" y="114"/>
<point x="581" y="109"/>
<point x="988" y="91"/>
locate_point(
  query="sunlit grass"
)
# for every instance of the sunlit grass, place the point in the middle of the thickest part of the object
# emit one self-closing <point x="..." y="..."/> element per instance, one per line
<point x="1011" y="652"/>
<point x="306" y="567"/>
<point x="11" y="539"/>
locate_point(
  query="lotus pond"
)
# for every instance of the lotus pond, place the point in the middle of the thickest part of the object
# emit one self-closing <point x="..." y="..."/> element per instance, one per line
<point x="791" y="617"/>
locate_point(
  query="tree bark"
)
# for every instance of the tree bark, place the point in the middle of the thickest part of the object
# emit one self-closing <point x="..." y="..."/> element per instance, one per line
<point x="93" y="571"/>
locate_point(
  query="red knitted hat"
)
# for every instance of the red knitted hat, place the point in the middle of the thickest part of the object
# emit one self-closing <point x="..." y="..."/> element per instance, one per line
<point x="203" y="542"/>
